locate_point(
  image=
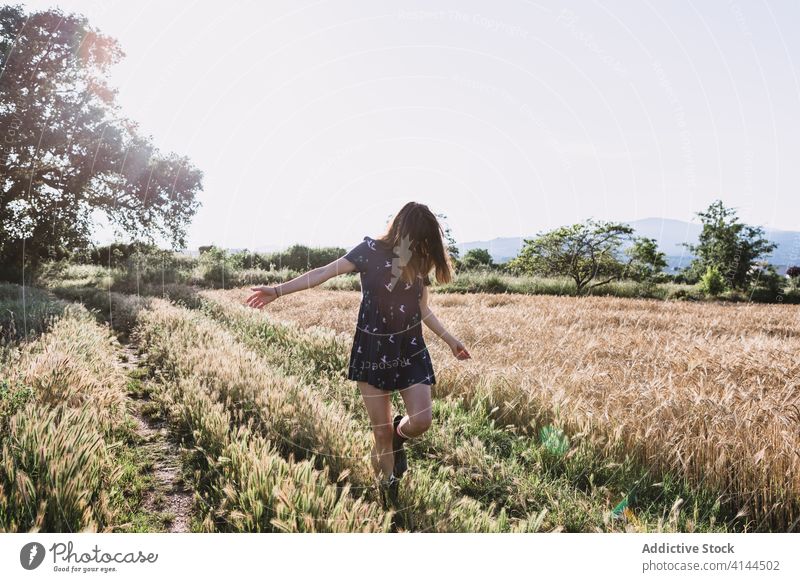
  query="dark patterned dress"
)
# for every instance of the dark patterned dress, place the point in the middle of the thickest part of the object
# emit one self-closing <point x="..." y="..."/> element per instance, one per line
<point x="388" y="349"/>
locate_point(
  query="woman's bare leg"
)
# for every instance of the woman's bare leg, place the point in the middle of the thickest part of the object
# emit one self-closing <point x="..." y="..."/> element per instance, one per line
<point x="419" y="409"/>
<point x="379" y="408"/>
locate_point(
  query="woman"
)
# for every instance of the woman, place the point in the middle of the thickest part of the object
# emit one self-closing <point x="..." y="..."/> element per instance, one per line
<point x="389" y="352"/>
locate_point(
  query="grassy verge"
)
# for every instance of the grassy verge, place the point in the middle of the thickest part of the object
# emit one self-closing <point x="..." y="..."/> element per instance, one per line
<point x="69" y="456"/>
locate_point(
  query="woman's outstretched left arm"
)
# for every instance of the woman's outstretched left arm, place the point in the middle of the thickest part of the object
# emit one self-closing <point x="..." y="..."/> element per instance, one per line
<point x="264" y="294"/>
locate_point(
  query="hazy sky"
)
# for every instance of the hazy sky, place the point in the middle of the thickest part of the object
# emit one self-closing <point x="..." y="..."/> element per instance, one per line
<point x="314" y="121"/>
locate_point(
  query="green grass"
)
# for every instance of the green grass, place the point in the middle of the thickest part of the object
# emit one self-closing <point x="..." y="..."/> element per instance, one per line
<point x="128" y="494"/>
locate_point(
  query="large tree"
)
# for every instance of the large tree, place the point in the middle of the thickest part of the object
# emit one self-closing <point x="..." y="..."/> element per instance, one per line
<point x="67" y="152"/>
<point x="729" y="246"/>
<point x="587" y="252"/>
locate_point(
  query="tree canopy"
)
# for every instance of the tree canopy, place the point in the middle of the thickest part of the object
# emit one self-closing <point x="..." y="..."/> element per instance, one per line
<point x="475" y="258"/>
<point x="68" y="152"/>
<point x="646" y="263"/>
<point x="729" y="246"/>
<point x="587" y="252"/>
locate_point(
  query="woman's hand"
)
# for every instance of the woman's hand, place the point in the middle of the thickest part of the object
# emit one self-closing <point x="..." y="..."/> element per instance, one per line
<point x="263" y="294"/>
<point x="458" y="349"/>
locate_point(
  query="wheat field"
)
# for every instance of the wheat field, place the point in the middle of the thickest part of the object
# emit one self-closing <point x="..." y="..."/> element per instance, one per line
<point x="707" y="391"/>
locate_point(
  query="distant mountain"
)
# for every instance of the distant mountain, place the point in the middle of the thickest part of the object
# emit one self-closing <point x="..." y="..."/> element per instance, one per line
<point x="670" y="235"/>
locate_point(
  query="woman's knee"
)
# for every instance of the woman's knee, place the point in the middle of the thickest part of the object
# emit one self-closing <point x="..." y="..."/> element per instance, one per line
<point x="418" y="405"/>
<point x="420" y="421"/>
<point x="383" y="436"/>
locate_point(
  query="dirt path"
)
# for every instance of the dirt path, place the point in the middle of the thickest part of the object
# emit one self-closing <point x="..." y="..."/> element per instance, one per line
<point x="169" y="495"/>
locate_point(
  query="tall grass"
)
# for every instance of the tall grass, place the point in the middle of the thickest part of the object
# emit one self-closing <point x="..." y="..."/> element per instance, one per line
<point x="497" y="282"/>
<point x="25" y="312"/>
<point x="229" y="467"/>
<point x="75" y="365"/>
<point x="118" y="310"/>
<point x="64" y="417"/>
<point x="244" y="483"/>
<point x="295" y="416"/>
<point x="56" y="473"/>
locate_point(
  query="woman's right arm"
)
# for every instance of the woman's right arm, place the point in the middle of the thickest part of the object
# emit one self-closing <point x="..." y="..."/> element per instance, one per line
<point x="264" y="294"/>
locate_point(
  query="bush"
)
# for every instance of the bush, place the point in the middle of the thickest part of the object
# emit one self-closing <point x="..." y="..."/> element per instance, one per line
<point x="115" y="254"/>
<point x="154" y="267"/>
<point x="296" y="257"/>
<point x="683" y="294"/>
<point x="768" y="285"/>
<point x="477" y="282"/>
<point x="218" y="268"/>
<point x="129" y="269"/>
<point x="793" y="285"/>
<point x="476" y="259"/>
<point x="712" y="282"/>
